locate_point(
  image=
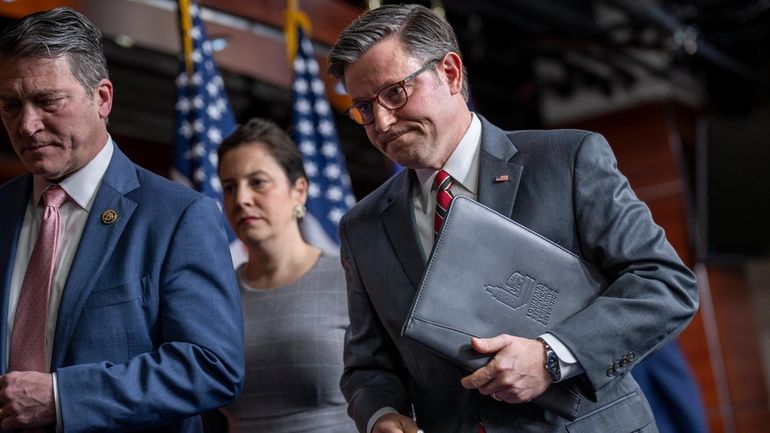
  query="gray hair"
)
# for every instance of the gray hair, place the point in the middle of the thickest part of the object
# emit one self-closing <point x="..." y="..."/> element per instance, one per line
<point x="60" y="32"/>
<point x="423" y="33"/>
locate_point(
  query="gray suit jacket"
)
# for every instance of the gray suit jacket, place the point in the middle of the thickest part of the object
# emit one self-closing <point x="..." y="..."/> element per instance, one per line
<point x="564" y="185"/>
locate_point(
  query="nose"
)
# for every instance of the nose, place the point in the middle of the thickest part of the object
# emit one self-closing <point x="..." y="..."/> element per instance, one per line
<point x="242" y="196"/>
<point x="30" y="121"/>
<point x="383" y="118"/>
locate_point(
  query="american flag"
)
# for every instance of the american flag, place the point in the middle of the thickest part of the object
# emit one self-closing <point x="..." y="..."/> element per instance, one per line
<point x="203" y="114"/>
<point x="329" y="192"/>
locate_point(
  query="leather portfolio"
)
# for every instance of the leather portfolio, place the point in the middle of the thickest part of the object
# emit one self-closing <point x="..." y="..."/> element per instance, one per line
<point x="488" y="275"/>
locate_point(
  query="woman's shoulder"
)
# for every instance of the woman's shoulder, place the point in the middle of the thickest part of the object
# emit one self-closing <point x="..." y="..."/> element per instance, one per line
<point x="328" y="267"/>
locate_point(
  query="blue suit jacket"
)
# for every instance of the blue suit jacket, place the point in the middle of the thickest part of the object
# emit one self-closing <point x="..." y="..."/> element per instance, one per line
<point x="149" y="332"/>
<point x="565" y="186"/>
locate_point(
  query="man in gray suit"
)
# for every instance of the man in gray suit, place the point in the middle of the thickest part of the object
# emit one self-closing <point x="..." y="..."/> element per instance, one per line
<point x="402" y="67"/>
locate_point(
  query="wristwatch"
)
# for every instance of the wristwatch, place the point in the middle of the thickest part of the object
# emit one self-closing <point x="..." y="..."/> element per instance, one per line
<point x="551" y="361"/>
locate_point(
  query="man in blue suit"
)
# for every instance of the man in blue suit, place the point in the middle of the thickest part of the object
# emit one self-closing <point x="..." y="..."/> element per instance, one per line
<point x="143" y="327"/>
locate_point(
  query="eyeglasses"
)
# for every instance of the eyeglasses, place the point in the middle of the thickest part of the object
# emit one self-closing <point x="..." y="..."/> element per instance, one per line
<point x="393" y="96"/>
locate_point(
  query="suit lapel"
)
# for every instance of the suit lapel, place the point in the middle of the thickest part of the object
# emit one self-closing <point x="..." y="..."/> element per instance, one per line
<point x="14" y="199"/>
<point x="498" y="177"/>
<point x="398" y="219"/>
<point x="96" y="247"/>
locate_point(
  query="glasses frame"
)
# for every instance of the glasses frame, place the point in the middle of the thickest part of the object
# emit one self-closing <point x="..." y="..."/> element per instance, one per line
<point x="426" y="66"/>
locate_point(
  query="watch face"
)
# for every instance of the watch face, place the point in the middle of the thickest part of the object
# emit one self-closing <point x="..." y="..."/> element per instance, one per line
<point x="552" y="365"/>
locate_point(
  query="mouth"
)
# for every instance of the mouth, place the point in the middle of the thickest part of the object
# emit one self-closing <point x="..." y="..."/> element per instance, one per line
<point x="33" y="147"/>
<point x="388" y="138"/>
<point x="248" y="219"/>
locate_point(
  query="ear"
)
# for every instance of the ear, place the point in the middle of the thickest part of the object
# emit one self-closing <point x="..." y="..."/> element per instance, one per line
<point x="452" y="67"/>
<point x="299" y="190"/>
<point x="103" y="98"/>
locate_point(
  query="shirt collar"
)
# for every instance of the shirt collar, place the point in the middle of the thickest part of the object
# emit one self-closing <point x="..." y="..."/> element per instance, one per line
<point x="81" y="186"/>
<point x="462" y="164"/>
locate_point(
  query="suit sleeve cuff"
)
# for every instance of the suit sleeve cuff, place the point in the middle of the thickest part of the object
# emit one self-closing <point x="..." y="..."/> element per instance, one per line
<point x="568" y="364"/>
<point x="377" y="415"/>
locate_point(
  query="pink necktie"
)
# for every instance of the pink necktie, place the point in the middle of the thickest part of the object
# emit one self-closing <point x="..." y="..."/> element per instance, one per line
<point x="29" y="327"/>
<point x="441" y="183"/>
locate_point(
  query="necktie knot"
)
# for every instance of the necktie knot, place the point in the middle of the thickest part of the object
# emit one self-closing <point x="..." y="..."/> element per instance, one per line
<point x="441" y="183"/>
<point x="54" y="196"/>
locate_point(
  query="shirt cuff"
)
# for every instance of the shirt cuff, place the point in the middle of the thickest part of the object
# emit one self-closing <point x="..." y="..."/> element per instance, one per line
<point x="56" y="403"/>
<point x="568" y="364"/>
<point x="377" y="415"/>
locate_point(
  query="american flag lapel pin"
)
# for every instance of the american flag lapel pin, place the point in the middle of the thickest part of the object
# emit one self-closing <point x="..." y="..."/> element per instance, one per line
<point x="501" y="178"/>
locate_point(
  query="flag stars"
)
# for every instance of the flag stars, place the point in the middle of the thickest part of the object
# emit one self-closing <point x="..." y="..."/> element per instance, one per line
<point x="326" y="128"/>
<point x="302" y="105"/>
<point x="350" y="200"/>
<point x="186" y="130"/>
<point x="307" y="147"/>
<point x="215" y="135"/>
<point x="318" y="86"/>
<point x="305" y="127"/>
<point x="206" y="46"/>
<point x="181" y="79"/>
<point x="334" y="193"/>
<point x="183" y="105"/>
<point x="335" y="215"/>
<point x="198" y="126"/>
<point x="329" y="149"/>
<point x="214" y="112"/>
<point x="314" y="131"/>
<point x="200" y="175"/>
<point x="311" y="168"/>
<point x="215" y="184"/>
<point x="199" y="150"/>
<point x="300" y="86"/>
<point x="299" y="65"/>
<point x="322" y="107"/>
<point x="202" y="112"/>
<point x="212" y="89"/>
<point x="332" y="171"/>
<point x="197" y="56"/>
<point x="196" y="33"/>
<point x="307" y="47"/>
<point x="312" y="66"/>
<point x="313" y="191"/>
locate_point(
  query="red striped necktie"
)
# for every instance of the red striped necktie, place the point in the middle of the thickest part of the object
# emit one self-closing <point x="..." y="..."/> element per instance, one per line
<point x="441" y="183"/>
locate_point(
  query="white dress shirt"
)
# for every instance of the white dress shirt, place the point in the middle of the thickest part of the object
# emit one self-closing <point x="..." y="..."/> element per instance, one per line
<point x="81" y="188"/>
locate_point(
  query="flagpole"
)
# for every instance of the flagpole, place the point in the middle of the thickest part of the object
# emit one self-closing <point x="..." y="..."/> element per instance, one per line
<point x="185" y="20"/>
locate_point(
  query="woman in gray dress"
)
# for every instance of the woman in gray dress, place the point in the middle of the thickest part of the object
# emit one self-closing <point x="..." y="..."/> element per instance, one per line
<point x="293" y="294"/>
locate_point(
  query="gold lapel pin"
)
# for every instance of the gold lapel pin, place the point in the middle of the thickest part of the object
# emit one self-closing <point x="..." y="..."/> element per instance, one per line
<point x="109" y="216"/>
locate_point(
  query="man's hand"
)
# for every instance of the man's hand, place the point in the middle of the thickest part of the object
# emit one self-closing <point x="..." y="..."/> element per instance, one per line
<point x="395" y="423"/>
<point x="515" y="375"/>
<point x="26" y="400"/>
